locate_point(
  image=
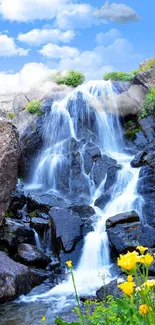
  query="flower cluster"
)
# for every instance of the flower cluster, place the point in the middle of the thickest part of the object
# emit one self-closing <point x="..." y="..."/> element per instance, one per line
<point x="136" y="264"/>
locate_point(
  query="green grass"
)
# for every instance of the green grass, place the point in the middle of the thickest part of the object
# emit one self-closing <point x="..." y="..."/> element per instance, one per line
<point x="11" y="115"/>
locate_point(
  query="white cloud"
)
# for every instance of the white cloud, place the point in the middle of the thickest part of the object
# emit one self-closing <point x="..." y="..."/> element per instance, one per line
<point x="30" y="75"/>
<point x="118" y="56"/>
<point x="59" y="52"/>
<point x="116" y="12"/>
<point x="109" y="37"/>
<point x="37" y="37"/>
<point x="9" y="48"/>
<point x="76" y="16"/>
<point x="26" y="10"/>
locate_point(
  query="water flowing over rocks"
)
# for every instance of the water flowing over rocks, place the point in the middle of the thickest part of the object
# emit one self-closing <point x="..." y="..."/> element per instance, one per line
<point x="83" y="197"/>
<point x="9" y="156"/>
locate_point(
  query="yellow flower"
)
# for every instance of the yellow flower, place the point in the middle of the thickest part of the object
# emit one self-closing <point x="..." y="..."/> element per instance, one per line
<point x="69" y="264"/>
<point x="149" y="284"/>
<point x="130" y="278"/>
<point x="128" y="261"/>
<point x="43" y="319"/>
<point x="127" y="287"/>
<point x="142" y="249"/>
<point x="144" y="309"/>
<point x="148" y="259"/>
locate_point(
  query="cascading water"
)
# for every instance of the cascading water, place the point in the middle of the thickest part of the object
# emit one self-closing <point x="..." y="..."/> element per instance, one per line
<point x="86" y="114"/>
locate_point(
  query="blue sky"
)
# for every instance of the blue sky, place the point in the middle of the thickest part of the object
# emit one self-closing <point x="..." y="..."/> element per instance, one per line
<point x="93" y="36"/>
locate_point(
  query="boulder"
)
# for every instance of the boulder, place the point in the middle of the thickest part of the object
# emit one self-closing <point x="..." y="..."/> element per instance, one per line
<point x="103" y="200"/>
<point x="67" y="228"/>
<point x="109" y="289"/>
<point x="121" y="218"/>
<point x="37" y="276"/>
<point x="13" y="232"/>
<point x="31" y="255"/>
<point x="104" y="166"/>
<point x="128" y="236"/>
<point x="14" y="278"/>
<point x="9" y="157"/>
<point x="146" y="78"/>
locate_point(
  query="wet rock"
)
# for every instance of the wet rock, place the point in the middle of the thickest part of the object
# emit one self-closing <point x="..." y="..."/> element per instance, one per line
<point x="121" y="218"/>
<point x="46" y="105"/>
<point x="148" y="127"/>
<point x="110" y="289"/>
<point x="102" y="166"/>
<point x="103" y="200"/>
<point x="146" y="187"/>
<point x="67" y="228"/>
<point x="137" y="161"/>
<point x="9" y="157"/>
<point x="93" y="150"/>
<point x="37" y="276"/>
<point x="30" y="255"/>
<point x="74" y="256"/>
<point x="14" y="278"/>
<point x="14" y="232"/>
<point x="39" y="223"/>
<point x="128" y="236"/>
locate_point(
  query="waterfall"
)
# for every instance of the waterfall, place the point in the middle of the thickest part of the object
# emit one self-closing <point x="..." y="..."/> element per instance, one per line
<point x="37" y="239"/>
<point x="89" y="113"/>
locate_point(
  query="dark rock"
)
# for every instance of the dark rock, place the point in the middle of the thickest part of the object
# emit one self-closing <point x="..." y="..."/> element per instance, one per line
<point x="14" y="278"/>
<point x="101" y="168"/>
<point x="137" y="161"/>
<point x="9" y="157"/>
<point x="148" y="127"/>
<point x="92" y="150"/>
<point x="39" y="223"/>
<point x="37" y="276"/>
<point x="46" y="105"/>
<point x="125" y="217"/>
<point x="74" y="256"/>
<point x="30" y="255"/>
<point x="103" y="200"/>
<point x="110" y="289"/>
<point x="13" y="233"/>
<point x="67" y="228"/>
<point x="128" y="236"/>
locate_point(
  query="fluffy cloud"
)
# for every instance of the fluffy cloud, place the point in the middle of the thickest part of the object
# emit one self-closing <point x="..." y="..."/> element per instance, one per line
<point x="116" y="12"/>
<point x="120" y="56"/>
<point x="68" y="14"/>
<point x="76" y="16"/>
<point x="109" y="37"/>
<point x="26" y="10"/>
<point x="9" y="48"/>
<point x="30" y="75"/>
<point x="37" y="37"/>
<point x="59" y="52"/>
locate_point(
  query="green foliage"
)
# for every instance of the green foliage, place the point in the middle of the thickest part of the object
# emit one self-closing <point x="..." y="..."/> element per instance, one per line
<point x="118" y="76"/>
<point x="70" y="78"/>
<point x="11" y="115"/>
<point x="34" y="107"/>
<point x="149" y="104"/>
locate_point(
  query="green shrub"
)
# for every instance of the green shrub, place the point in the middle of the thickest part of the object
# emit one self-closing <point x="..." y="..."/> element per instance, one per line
<point x="118" y="76"/>
<point x="70" y="78"/>
<point x="11" y="115"/>
<point x="149" y="104"/>
<point x="34" y="107"/>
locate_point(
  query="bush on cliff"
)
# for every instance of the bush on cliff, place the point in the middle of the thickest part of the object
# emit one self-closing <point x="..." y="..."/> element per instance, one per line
<point x="34" y="107"/>
<point x="118" y="76"/>
<point x="70" y="78"/>
<point x="149" y="104"/>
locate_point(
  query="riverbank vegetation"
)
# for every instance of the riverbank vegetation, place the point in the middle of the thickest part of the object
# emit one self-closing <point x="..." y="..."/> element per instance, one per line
<point x="136" y="305"/>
